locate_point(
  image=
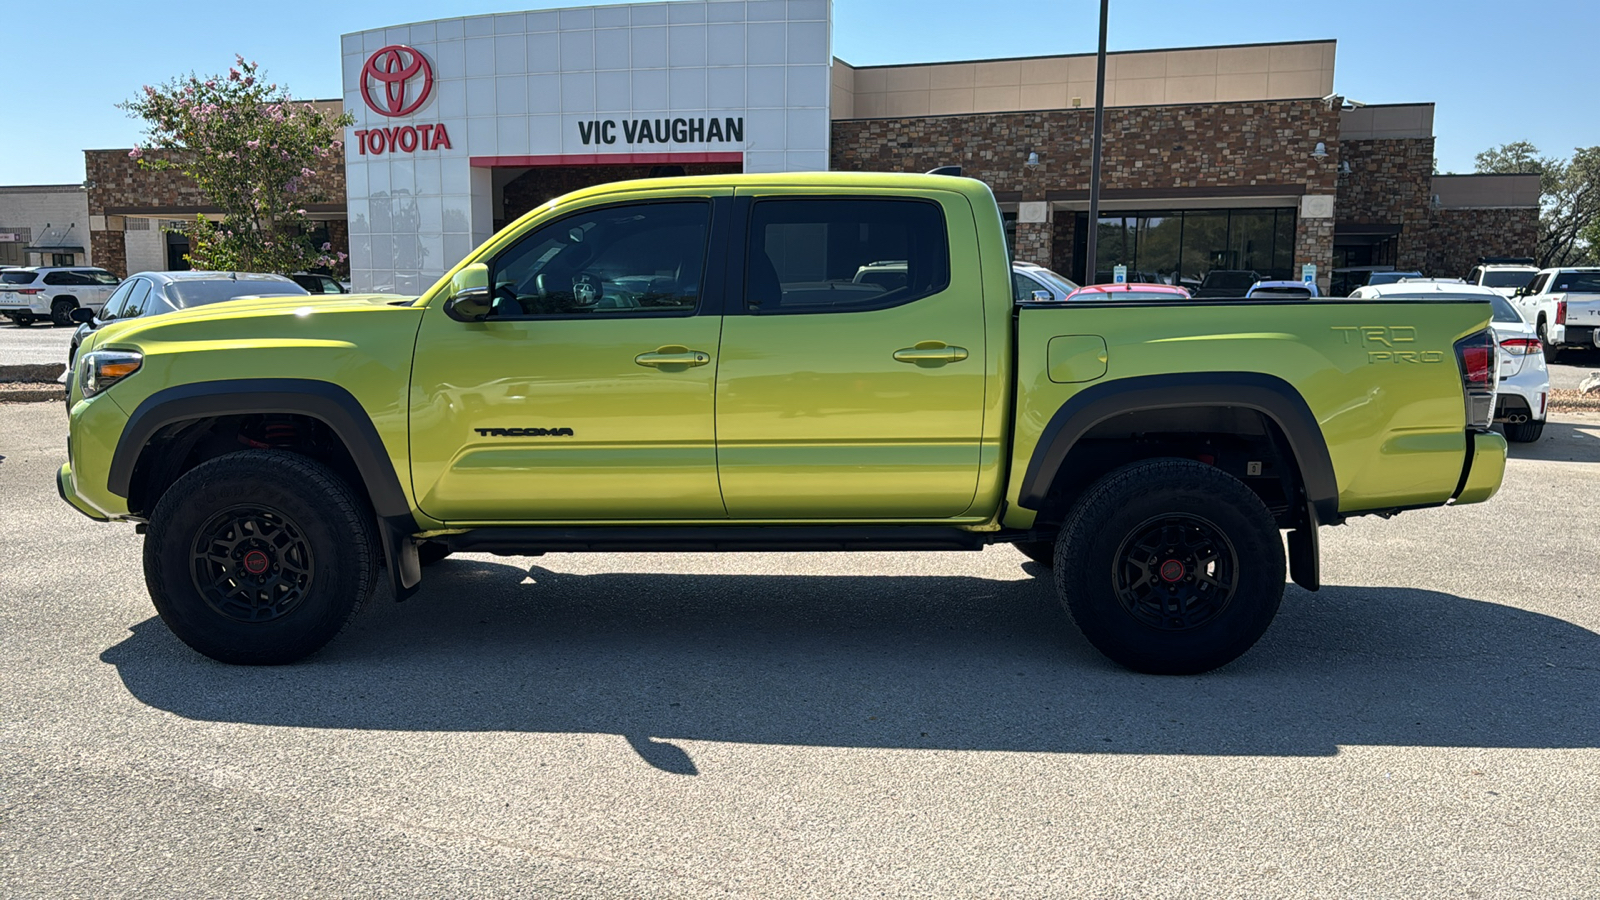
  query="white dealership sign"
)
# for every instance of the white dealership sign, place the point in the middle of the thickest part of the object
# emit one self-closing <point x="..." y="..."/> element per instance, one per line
<point x="441" y="106"/>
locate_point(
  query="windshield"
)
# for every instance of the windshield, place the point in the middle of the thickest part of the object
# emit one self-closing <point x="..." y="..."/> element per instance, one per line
<point x="1391" y="277"/>
<point x="1503" y="279"/>
<point x="1280" y="293"/>
<point x="1503" y="310"/>
<point x="185" y="294"/>
<point x="1577" y="283"/>
<point x="18" y="277"/>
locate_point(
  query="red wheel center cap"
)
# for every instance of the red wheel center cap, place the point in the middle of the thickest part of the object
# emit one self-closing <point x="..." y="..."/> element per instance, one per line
<point x="1172" y="570"/>
<point x="256" y="562"/>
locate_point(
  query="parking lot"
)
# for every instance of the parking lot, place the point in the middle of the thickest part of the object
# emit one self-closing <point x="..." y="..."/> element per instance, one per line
<point x="792" y="725"/>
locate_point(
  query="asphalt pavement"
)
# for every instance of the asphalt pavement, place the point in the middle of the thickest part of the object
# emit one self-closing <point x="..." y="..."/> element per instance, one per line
<point x="37" y="344"/>
<point x="799" y="725"/>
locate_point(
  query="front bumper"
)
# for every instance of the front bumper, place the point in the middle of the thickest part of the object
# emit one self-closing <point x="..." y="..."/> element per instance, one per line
<point x="69" y="493"/>
<point x="1486" y="467"/>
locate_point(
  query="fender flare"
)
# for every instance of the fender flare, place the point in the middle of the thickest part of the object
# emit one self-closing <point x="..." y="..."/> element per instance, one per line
<point x="1267" y="394"/>
<point x="329" y="403"/>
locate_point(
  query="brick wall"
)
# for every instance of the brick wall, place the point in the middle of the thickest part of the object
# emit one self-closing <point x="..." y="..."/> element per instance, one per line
<point x="1389" y="183"/>
<point x="1196" y="149"/>
<point x="1457" y="237"/>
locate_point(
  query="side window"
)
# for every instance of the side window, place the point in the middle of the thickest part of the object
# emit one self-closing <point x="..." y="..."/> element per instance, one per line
<point x="64" y="278"/>
<point x="1022" y="288"/>
<point x="815" y="256"/>
<point x="136" y="300"/>
<point x="1538" y="284"/>
<point x="328" y="285"/>
<point x="113" y="307"/>
<point x="635" y="260"/>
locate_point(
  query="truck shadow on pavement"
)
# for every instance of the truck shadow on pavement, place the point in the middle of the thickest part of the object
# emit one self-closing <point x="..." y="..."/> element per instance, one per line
<point x="1563" y="442"/>
<point x="952" y="663"/>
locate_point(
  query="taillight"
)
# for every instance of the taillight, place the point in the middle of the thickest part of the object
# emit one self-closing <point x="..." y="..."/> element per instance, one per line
<point x="1561" y="312"/>
<point x="30" y="290"/>
<point x="1476" y="357"/>
<point x="1522" y="346"/>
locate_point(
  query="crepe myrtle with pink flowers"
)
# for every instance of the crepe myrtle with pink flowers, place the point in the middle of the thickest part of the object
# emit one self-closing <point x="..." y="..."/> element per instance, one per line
<point x="253" y="151"/>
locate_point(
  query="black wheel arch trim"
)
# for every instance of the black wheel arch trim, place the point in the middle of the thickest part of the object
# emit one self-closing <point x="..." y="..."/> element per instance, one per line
<point x="331" y="404"/>
<point x="1267" y="394"/>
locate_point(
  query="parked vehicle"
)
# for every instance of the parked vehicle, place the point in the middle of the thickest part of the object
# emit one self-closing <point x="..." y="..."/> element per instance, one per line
<point x="1377" y="279"/>
<point x="1032" y="282"/>
<point x="1564" y="305"/>
<point x="626" y="371"/>
<point x="147" y="294"/>
<point x="30" y="293"/>
<point x="1504" y="277"/>
<point x="1522" y="385"/>
<point x="1226" y="283"/>
<point x="1282" y="290"/>
<point x="1127" y="293"/>
<point x="317" y="283"/>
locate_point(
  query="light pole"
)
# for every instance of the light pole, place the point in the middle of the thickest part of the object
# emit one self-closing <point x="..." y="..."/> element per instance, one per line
<point x="1091" y="268"/>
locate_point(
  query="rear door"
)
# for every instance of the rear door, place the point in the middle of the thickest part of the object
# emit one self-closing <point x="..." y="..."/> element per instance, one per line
<point x="843" y="399"/>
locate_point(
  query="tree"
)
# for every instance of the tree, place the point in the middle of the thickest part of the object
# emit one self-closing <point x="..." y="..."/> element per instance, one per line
<point x="1569" y="198"/>
<point x="254" y="152"/>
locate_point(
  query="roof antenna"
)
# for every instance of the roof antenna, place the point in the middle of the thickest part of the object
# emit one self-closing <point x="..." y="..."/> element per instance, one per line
<point x="946" y="170"/>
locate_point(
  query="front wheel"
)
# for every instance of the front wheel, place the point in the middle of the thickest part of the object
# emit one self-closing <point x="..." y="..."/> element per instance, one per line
<point x="1170" y="566"/>
<point x="259" y="557"/>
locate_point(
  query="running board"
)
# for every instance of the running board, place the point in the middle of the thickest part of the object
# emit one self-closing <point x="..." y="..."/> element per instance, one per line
<point x="716" y="539"/>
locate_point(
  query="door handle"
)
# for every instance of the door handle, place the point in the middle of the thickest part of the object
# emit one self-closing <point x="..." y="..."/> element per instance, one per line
<point x="673" y="356"/>
<point x="931" y="353"/>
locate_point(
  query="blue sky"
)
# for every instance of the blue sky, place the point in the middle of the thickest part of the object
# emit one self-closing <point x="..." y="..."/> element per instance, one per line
<point x="1481" y="62"/>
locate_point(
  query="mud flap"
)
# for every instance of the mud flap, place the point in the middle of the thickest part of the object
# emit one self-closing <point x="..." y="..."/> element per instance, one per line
<point x="400" y="555"/>
<point x="1305" y="562"/>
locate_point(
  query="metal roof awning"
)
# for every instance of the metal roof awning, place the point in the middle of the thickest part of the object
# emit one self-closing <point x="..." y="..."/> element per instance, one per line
<point x="57" y="239"/>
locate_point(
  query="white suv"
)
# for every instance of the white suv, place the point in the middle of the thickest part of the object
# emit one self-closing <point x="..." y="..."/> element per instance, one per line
<point x="40" y="292"/>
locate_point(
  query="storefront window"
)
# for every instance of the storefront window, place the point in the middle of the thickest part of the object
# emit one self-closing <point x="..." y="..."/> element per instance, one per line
<point x="1181" y="246"/>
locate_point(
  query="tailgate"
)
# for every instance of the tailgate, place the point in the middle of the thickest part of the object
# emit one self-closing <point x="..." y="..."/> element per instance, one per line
<point x="1583" y="309"/>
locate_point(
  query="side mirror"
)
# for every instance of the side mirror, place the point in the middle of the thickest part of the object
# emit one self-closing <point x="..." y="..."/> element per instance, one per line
<point x="83" y="316"/>
<point x="470" y="299"/>
<point x="1042" y="297"/>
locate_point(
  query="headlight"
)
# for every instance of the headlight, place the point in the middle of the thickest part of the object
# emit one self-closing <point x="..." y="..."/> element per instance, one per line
<point x="103" y="368"/>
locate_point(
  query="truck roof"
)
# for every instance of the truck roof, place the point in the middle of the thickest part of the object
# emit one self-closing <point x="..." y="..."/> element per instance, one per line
<point x="897" y="180"/>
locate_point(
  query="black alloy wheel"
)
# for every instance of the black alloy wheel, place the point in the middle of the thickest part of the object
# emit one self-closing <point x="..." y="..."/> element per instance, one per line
<point x="1170" y="566"/>
<point x="61" y="310"/>
<point x="1176" y="572"/>
<point x="251" y="563"/>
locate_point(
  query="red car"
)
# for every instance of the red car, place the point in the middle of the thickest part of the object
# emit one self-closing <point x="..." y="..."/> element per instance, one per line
<point x="1102" y="293"/>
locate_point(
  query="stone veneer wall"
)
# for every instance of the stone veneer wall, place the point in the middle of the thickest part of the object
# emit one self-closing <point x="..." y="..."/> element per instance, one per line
<point x="1390" y="183"/>
<point x="120" y="183"/>
<point x="1457" y="237"/>
<point x="1189" y="149"/>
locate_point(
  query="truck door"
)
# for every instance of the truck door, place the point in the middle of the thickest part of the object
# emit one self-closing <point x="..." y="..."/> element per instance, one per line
<point x="852" y="376"/>
<point x="587" y="394"/>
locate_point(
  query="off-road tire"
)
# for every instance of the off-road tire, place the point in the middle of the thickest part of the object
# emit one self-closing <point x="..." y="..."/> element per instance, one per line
<point x="1189" y="504"/>
<point x="1524" y="432"/>
<point x="1041" y="552"/>
<point x="317" y="538"/>
<point x="61" y="310"/>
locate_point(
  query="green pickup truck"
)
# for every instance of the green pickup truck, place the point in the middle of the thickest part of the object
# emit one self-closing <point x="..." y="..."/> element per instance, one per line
<point x="691" y="364"/>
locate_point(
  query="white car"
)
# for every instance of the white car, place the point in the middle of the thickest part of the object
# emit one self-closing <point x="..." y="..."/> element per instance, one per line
<point x="1522" y="381"/>
<point x="1029" y="280"/>
<point x="53" y="292"/>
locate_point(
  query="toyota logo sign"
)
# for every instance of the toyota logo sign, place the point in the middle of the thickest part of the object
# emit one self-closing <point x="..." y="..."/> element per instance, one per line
<point x="394" y="68"/>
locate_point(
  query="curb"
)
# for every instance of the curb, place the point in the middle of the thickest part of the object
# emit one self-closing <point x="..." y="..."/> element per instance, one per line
<point x="31" y="393"/>
<point x="42" y="373"/>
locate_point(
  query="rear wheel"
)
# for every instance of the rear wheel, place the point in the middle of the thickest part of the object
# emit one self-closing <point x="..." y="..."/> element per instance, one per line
<point x="23" y="320"/>
<point x="1524" y="432"/>
<point x="1170" y="566"/>
<point x="259" y="557"/>
<point x="1551" y="351"/>
<point x="61" y="310"/>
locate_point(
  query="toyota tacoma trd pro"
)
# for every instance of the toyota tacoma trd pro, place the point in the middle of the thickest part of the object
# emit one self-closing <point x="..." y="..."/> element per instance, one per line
<point x="688" y="364"/>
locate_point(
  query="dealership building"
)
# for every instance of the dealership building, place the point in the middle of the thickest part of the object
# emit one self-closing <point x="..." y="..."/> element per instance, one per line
<point x="1237" y="157"/>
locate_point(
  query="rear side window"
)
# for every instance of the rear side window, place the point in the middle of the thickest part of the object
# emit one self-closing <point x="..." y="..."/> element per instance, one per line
<point x="820" y="256"/>
<point x="105" y="278"/>
<point x="18" y="277"/>
<point x="66" y="278"/>
<point x="1577" y="282"/>
<point x="1504" y="311"/>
